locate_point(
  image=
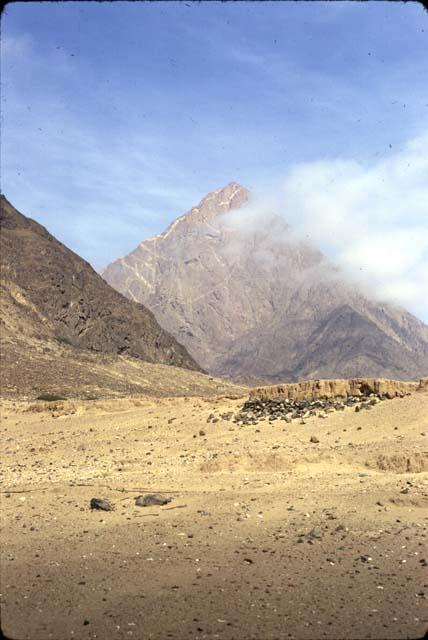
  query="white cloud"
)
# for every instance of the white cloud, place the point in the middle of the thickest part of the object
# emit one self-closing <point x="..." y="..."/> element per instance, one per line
<point x="371" y="220"/>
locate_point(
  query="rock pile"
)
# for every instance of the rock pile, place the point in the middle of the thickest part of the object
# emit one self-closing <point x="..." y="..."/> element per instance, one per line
<point x="254" y="410"/>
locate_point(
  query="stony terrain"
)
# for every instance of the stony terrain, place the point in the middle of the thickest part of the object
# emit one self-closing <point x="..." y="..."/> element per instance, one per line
<point x="270" y="530"/>
<point x="32" y="366"/>
<point x="48" y="293"/>
<point x="35" y="363"/>
<point x="250" y="303"/>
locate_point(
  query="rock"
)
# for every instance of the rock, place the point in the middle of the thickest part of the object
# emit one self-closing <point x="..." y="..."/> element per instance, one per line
<point x="151" y="499"/>
<point x="101" y="504"/>
<point x="314" y="534"/>
<point x="202" y="432"/>
<point x="314" y="439"/>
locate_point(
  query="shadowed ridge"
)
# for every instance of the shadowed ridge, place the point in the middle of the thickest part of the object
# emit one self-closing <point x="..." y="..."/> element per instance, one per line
<point x="72" y="302"/>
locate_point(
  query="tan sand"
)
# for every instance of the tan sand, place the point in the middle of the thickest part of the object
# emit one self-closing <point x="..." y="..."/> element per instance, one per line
<point x="267" y="534"/>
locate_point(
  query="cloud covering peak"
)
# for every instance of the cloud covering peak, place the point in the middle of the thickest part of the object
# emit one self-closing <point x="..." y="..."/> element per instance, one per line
<point x="371" y="220"/>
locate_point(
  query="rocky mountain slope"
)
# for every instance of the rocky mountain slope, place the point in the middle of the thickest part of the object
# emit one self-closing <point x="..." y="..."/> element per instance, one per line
<point x="55" y="309"/>
<point x="248" y="302"/>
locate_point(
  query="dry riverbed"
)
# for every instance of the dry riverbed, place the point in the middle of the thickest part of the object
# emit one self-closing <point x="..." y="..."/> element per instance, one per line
<point x="267" y="535"/>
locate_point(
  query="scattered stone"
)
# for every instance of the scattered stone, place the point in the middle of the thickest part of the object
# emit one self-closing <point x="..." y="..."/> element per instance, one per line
<point x="101" y="504"/>
<point x="202" y="432"/>
<point x="314" y="534"/>
<point x="314" y="439"/>
<point x="151" y="499"/>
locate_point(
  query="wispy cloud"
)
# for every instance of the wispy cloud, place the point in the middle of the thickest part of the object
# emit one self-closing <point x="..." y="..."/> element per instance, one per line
<point x="372" y="221"/>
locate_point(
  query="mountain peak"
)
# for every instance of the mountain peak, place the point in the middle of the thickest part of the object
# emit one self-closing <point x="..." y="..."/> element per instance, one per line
<point x="231" y="196"/>
<point x="262" y="306"/>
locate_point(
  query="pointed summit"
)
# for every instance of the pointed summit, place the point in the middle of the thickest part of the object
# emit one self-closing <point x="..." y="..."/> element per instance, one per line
<point x="232" y="196"/>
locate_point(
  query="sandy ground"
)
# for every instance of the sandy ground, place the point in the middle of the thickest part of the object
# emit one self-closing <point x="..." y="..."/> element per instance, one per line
<point x="267" y="534"/>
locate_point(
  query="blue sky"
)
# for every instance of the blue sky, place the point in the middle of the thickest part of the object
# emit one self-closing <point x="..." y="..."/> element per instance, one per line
<point x="118" y="117"/>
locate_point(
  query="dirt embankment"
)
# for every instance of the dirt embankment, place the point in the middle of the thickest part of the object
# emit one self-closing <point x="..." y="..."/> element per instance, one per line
<point x="338" y="388"/>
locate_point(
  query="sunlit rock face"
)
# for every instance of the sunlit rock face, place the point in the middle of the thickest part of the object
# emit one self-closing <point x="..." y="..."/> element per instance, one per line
<point x="250" y="302"/>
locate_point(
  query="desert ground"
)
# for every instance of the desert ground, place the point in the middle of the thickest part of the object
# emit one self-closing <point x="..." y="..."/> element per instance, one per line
<point x="267" y="535"/>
